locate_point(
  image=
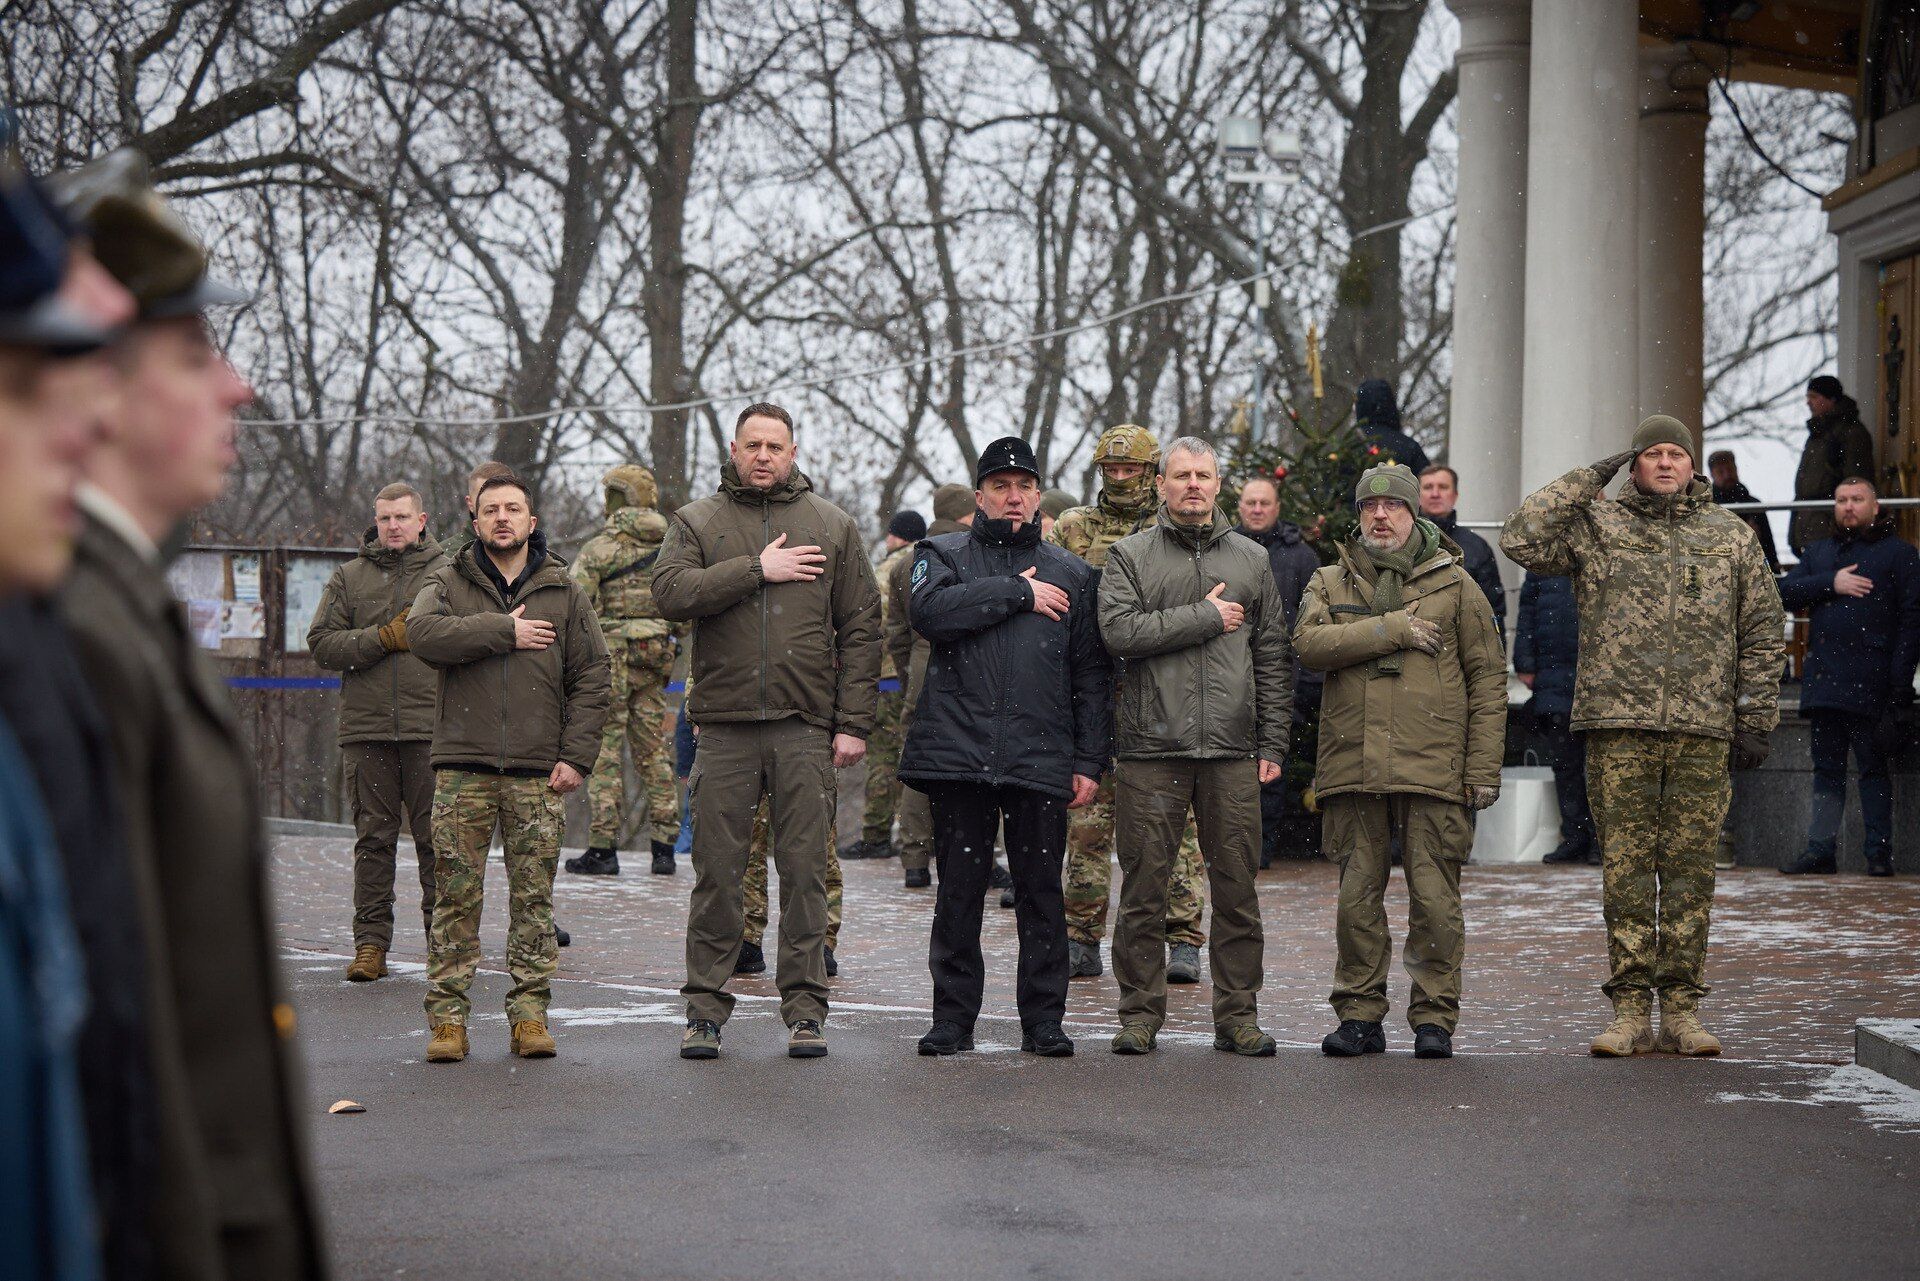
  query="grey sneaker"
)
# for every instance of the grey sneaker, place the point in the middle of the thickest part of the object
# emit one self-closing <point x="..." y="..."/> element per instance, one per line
<point x="1183" y="963"/>
<point x="1083" y="960"/>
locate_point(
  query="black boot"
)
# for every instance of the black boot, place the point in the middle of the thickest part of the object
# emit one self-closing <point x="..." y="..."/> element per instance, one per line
<point x="599" y="860"/>
<point x="1572" y="850"/>
<point x="752" y="960"/>
<point x="919" y="878"/>
<point x="1879" y="860"/>
<point x="1354" y="1037"/>
<point x="944" y="1039"/>
<point x="833" y="966"/>
<point x="866" y="849"/>
<point x="662" y="858"/>
<point x="1048" y="1041"/>
<point x="1819" y="858"/>
<point x="1431" y="1041"/>
<point x="1000" y="878"/>
<point x="561" y="938"/>
<point x="1006" y="897"/>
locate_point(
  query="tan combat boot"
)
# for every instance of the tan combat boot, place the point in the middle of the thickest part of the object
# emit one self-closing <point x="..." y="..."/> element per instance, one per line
<point x="1681" y="1033"/>
<point x="369" y="963"/>
<point x="449" y="1043"/>
<point x="1627" y="1035"/>
<point x="531" y="1040"/>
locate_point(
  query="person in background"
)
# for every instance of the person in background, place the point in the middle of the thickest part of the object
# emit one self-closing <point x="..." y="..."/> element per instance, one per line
<point x="1054" y="504"/>
<point x="883" y="749"/>
<point x="1861" y="590"/>
<point x="1838" y="446"/>
<point x="1439" y="497"/>
<point x="1546" y="654"/>
<point x="1728" y="488"/>
<point x="1376" y="416"/>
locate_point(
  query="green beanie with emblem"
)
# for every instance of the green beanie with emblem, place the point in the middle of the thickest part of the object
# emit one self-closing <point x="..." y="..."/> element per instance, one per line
<point x="1389" y="480"/>
<point x="1663" y="429"/>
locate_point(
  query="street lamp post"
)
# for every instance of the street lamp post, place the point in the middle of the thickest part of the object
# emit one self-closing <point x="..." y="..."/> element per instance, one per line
<point x="1243" y="144"/>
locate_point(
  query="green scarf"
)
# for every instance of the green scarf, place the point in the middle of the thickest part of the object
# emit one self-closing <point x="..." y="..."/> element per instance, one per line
<point x="1390" y="573"/>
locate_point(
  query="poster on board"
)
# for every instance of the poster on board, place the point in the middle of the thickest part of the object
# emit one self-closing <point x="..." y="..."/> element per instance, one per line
<point x="306" y="580"/>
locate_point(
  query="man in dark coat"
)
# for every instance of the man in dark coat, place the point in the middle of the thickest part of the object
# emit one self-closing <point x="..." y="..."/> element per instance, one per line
<point x="1376" y="415"/>
<point x="1294" y="563"/>
<point x="1862" y="590"/>
<point x="1728" y="488"/>
<point x="1838" y="446"/>
<point x="1012" y="730"/>
<point x="1546" y="652"/>
<point x="1439" y="496"/>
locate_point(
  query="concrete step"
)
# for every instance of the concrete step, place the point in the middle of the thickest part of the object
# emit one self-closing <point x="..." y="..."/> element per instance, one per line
<point x="1890" y="1047"/>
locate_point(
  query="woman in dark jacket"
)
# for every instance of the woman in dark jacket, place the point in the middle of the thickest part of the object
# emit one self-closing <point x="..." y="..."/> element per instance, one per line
<point x="1546" y="655"/>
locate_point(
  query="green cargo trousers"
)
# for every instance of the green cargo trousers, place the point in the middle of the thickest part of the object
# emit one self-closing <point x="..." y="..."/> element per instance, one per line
<point x="791" y="763"/>
<point x="916" y="815"/>
<point x="883" y="769"/>
<point x="384" y="779"/>
<point x="1658" y="803"/>
<point x="1435" y="838"/>
<point x="1151" y="802"/>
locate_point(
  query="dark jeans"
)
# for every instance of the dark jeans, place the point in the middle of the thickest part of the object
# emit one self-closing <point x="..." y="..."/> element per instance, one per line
<point x="966" y="817"/>
<point x="1567" y="754"/>
<point x="1835" y="733"/>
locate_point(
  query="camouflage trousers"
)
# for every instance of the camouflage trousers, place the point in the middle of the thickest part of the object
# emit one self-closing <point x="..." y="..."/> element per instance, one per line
<point x="1658" y="801"/>
<point x="754" y="884"/>
<point x="466" y="808"/>
<point x="883" y="770"/>
<point x="1089" y="881"/>
<point x="636" y="721"/>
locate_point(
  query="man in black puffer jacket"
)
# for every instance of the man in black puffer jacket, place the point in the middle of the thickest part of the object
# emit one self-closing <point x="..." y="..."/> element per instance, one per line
<point x="1012" y="728"/>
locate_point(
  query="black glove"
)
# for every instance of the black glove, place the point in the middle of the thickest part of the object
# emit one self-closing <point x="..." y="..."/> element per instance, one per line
<point x="1749" y="749"/>
<point x="1607" y="466"/>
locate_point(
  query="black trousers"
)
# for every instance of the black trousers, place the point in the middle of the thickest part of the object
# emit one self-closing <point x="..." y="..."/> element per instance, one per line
<point x="1567" y="754"/>
<point x="966" y="817"/>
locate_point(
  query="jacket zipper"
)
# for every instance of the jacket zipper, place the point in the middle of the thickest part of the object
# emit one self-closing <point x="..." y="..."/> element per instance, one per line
<point x="1673" y="568"/>
<point x="766" y="536"/>
<point x="393" y="668"/>
<point x="1200" y="581"/>
<point x="504" y="660"/>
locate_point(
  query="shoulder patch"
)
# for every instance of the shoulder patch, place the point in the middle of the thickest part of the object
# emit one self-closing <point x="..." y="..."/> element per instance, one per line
<point x="919" y="572"/>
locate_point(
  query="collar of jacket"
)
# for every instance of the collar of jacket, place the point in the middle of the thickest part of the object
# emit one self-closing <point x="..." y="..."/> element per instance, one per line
<point x="1440" y="551"/>
<point x="1882" y="526"/>
<point x="544" y="568"/>
<point x="945" y="527"/>
<point x="140" y="579"/>
<point x="642" y="524"/>
<point x="1195" y="535"/>
<point x="786" y="491"/>
<point x="1446" y="524"/>
<point x="1001" y="533"/>
<point x="1663" y="507"/>
<point x="426" y="547"/>
<point x="1845" y="410"/>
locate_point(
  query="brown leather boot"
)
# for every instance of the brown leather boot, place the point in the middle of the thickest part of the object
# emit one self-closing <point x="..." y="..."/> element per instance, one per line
<point x="1627" y="1035"/>
<point x="369" y="963"/>
<point x="1681" y="1033"/>
<point x="531" y="1040"/>
<point x="449" y="1043"/>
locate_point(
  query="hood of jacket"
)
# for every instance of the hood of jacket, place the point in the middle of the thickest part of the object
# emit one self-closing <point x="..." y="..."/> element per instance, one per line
<point x="1195" y="535"/>
<point x="425" y="548"/>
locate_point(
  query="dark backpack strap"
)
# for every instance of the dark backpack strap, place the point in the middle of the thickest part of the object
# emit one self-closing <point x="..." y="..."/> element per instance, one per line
<point x="645" y="562"/>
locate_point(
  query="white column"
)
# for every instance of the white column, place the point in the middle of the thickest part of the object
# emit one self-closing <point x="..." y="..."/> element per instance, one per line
<point x="1581" y="382"/>
<point x="1673" y="228"/>
<point x="1490" y="256"/>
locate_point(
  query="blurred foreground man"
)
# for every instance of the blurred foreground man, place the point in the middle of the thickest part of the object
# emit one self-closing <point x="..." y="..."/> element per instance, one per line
<point x="1681" y="645"/>
<point x="523" y="692"/>
<point x="1412" y="729"/>
<point x="786" y="654"/>
<point x="615" y="570"/>
<point x="233" y="1197"/>
<point x="1012" y="731"/>
<point x="1190" y="606"/>
<point x="386" y="712"/>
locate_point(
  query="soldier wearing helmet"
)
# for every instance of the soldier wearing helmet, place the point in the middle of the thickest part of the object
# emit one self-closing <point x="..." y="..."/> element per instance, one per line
<point x="1128" y="457"/>
<point x="615" y="569"/>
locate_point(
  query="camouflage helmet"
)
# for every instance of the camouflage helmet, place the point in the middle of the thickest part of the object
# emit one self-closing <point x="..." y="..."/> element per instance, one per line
<point x="1127" y="443"/>
<point x="634" y="484"/>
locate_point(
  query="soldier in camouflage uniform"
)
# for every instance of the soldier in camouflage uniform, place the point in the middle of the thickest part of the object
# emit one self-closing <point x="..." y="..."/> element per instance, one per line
<point x="1128" y="458"/>
<point x="883" y="749"/>
<point x="615" y="570"/>
<point x="753" y="960"/>
<point x="1681" y="645"/>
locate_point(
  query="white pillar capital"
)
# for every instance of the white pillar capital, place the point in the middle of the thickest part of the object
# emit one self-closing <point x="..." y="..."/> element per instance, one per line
<point x="1492" y="28"/>
<point x="1673" y="81"/>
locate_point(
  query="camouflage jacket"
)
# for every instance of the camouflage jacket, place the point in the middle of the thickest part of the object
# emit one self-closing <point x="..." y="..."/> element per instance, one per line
<point x="1681" y="629"/>
<point x="1090" y="532"/>
<point x="615" y="570"/>
<point x="883" y="574"/>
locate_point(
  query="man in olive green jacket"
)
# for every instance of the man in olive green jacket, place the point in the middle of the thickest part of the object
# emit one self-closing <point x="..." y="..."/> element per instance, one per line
<point x="1412" y="729"/>
<point x="1204" y="709"/>
<point x="786" y="658"/>
<point x="523" y="692"/>
<point x="386" y="712"/>
<point x="1682" y="640"/>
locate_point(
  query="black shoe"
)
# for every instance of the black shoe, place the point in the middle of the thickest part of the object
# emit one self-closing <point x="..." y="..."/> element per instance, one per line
<point x="867" y="849"/>
<point x="944" y="1039"/>
<point x="561" y="937"/>
<point x="1048" y="1041"/>
<point x="1000" y="878"/>
<point x="599" y="860"/>
<point x="752" y="960"/>
<point x="1568" y="852"/>
<point x="1006" y="898"/>
<point x="1880" y="862"/>
<point x="833" y="966"/>
<point x="1817" y="861"/>
<point x="1266" y="860"/>
<point x="919" y="878"/>
<point x="1431" y="1041"/>
<point x="662" y="858"/>
<point x="1354" y="1037"/>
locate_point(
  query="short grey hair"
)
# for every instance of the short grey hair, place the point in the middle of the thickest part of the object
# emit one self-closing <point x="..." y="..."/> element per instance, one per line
<point x="1195" y="446"/>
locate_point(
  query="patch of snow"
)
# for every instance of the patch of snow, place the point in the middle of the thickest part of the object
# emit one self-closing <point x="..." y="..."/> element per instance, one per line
<point x="1884" y="1103"/>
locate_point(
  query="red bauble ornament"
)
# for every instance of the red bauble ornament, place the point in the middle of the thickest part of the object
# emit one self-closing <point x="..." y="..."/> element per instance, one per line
<point x="1373" y="449"/>
<point x="1280" y="473"/>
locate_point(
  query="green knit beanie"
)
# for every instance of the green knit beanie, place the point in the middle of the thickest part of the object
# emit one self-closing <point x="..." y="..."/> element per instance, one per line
<point x="1663" y="429"/>
<point x="1389" y="480"/>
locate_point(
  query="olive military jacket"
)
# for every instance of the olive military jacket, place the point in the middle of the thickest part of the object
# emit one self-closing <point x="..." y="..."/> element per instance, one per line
<point x="1681" y="629"/>
<point x="1192" y="689"/>
<point x="765" y="651"/>
<point x="1440" y="725"/>
<point x="386" y="696"/>
<point x="502" y="708"/>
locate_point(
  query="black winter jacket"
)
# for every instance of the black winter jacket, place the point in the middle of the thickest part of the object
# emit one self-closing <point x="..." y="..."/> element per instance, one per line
<point x="1481" y="564"/>
<point x="1011" y="697"/>
<point x="1546" y="641"/>
<point x="1861" y="650"/>
<point x="1294" y="563"/>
